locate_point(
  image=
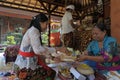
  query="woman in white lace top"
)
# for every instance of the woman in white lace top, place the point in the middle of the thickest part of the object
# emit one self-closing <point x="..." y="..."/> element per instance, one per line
<point x="31" y="47"/>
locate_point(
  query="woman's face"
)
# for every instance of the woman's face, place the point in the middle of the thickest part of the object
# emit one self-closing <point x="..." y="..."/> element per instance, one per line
<point x="97" y="34"/>
<point x="44" y="25"/>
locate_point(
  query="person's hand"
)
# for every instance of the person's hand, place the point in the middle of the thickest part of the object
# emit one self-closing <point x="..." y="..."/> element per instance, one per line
<point x="62" y="49"/>
<point x="45" y="53"/>
<point x="75" y="64"/>
<point x="57" y="59"/>
<point x="81" y="58"/>
<point x="85" y="53"/>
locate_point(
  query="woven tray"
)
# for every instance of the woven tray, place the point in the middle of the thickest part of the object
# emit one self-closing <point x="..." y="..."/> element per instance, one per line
<point x="85" y="69"/>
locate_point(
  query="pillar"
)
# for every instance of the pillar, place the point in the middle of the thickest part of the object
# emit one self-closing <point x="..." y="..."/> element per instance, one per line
<point x="115" y="19"/>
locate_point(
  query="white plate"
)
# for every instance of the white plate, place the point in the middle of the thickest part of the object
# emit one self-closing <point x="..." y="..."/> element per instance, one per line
<point x="52" y="65"/>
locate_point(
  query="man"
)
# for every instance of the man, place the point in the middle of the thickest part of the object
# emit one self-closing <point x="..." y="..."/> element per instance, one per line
<point x="67" y="27"/>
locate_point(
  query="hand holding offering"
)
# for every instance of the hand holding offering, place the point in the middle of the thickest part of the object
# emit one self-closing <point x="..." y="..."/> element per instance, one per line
<point x="81" y="57"/>
<point x="61" y="49"/>
<point x="57" y="59"/>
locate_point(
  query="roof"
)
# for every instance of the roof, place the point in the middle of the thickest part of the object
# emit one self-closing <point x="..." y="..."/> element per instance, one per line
<point x="53" y="7"/>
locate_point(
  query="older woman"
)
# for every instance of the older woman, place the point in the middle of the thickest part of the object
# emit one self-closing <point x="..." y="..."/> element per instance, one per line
<point x="102" y="51"/>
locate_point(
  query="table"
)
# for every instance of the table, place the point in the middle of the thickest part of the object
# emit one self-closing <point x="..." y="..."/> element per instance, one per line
<point x="69" y="65"/>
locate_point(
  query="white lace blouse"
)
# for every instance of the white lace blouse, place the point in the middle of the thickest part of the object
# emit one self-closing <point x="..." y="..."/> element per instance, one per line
<point x="31" y="42"/>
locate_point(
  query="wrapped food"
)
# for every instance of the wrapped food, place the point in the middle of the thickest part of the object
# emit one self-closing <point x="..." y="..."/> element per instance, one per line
<point x="65" y="72"/>
<point x="67" y="58"/>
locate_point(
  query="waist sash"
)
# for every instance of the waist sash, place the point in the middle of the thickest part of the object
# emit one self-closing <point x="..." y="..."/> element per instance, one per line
<point x="32" y="54"/>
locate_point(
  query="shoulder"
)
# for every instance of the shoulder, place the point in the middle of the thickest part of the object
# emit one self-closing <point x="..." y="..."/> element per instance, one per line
<point x="33" y="29"/>
<point x="92" y="45"/>
<point x="68" y="13"/>
<point x="110" y="39"/>
<point x="93" y="42"/>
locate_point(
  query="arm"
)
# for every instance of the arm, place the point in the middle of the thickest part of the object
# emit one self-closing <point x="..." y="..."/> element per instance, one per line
<point x="106" y="55"/>
<point x="71" y="22"/>
<point x="101" y="58"/>
<point x="36" y="45"/>
<point x="110" y="48"/>
<point x="34" y="36"/>
<point x="70" y="19"/>
<point x="93" y="58"/>
<point x="73" y="25"/>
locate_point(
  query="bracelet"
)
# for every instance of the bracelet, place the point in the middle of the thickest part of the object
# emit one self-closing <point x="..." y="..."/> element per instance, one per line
<point x="105" y="57"/>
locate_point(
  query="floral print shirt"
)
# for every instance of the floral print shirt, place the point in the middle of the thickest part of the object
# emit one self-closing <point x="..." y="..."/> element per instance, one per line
<point x="109" y="46"/>
<point x="31" y="43"/>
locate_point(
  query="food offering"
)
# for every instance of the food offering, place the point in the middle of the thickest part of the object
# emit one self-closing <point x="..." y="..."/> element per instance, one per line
<point x="64" y="73"/>
<point x="66" y="58"/>
<point x="85" y="69"/>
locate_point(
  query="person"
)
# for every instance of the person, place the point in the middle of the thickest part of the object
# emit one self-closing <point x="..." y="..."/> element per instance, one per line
<point x="32" y="52"/>
<point x="101" y="53"/>
<point x="67" y="27"/>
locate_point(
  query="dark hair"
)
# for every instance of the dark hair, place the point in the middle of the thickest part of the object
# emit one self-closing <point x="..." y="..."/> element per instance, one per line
<point x="70" y="10"/>
<point x="37" y="19"/>
<point x="36" y="22"/>
<point x="103" y="27"/>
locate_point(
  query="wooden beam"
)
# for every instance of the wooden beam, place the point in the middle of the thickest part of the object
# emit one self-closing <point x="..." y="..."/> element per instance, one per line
<point x="55" y="7"/>
<point x="15" y="15"/>
<point x="35" y="4"/>
<point x="49" y="26"/>
<point x="40" y="1"/>
<point x="51" y="2"/>
<point x="54" y="14"/>
<point x="21" y="5"/>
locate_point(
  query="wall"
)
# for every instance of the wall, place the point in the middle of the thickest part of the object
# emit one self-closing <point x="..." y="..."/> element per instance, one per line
<point x="16" y="13"/>
<point x="115" y="19"/>
<point x="11" y="24"/>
